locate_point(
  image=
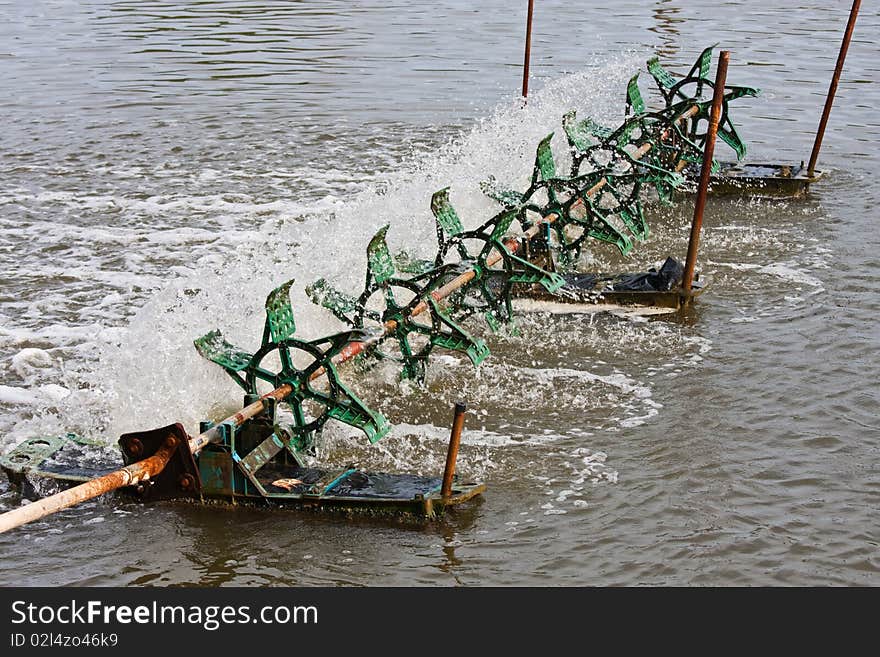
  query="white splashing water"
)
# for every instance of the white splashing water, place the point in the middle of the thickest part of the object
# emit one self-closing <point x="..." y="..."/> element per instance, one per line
<point x="147" y="373"/>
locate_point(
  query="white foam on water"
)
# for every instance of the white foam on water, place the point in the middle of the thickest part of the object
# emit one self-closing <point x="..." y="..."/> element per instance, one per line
<point x="787" y="271"/>
<point x="555" y="512"/>
<point x="639" y="392"/>
<point x="39" y="395"/>
<point x="576" y="472"/>
<point x="791" y="272"/>
<point x="26" y="361"/>
<point x="475" y="437"/>
<point x="18" y="396"/>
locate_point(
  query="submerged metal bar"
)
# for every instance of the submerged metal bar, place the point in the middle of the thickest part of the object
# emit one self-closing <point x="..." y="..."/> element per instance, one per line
<point x="127" y="476"/>
<point x="528" y="52"/>
<point x="832" y="89"/>
<point x="452" y="452"/>
<point x="705" y="173"/>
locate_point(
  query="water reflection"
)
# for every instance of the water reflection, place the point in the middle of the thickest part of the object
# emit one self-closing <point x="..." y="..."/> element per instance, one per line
<point x="456" y="525"/>
<point x="666" y="14"/>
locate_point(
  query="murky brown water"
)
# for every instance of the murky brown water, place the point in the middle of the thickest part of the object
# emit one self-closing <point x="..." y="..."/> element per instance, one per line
<point x="165" y="164"/>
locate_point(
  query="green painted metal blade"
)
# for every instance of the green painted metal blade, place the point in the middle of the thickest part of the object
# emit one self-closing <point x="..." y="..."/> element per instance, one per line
<point x="214" y="347"/>
<point x="635" y="221"/>
<point x="447" y="218"/>
<point x="352" y="411"/>
<point x="583" y="134"/>
<point x="664" y="78"/>
<point x="634" y="98"/>
<point x="502" y="223"/>
<point x="279" y="313"/>
<point x="342" y="404"/>
<point x="344" y="407"/>
<point x="665" y="182"/>
<point x="325" y="295"/>
<point x="671" y="178"/>
<point x="604" y="231"/>
<point x="33" y="452"/>
<point x="475" y="350"/>
<point x="545" y="166"/>
<point x="478" y="352"/>
<point x="625" y="132"/>
<point x="380" y="264"/>
<point x="733" y="92"/>
<point x="600" y="131"/>
<point x="578" y="137"/>
<point x="730" y="137"/>
<point x="492" y="320"/>
<point x="532" y="274"/>
<point x="374" y="425"/>
<point x="704" y="62"/>
<point x="405" y="263"/>
<point x="656" y="175"/>
<point x="702" y="66"/>
<point x="455" y="338"/>
<point x="506" y="197"/>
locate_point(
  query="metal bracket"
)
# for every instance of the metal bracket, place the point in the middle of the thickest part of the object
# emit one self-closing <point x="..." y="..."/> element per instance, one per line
<point x="180" y="478"/>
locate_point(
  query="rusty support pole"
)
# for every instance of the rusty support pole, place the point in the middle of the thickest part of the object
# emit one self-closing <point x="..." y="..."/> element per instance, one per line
<point x="528" y="53"/>
<point x="705" y="173"/>
<point x="452" y="452"/>
<point x="832" y="89"/>
<point x="127" y="476"/>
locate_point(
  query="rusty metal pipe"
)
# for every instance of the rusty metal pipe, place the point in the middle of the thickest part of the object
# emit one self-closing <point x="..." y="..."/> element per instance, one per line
<point x="832" y="89"/>
<point x="528" y="51"/>
<point x="452" y="452"/>
<point x="127" y="476"/>
<point x="705" y="173"/>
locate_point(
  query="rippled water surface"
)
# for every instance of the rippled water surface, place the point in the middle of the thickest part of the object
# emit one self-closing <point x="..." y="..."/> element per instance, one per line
<point x="165" y="164"/>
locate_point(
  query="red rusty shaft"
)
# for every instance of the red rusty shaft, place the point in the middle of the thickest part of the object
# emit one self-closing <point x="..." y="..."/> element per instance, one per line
<point x="127" y="476"/>
<point x="832" y="89"/>
<point x="528" y="52"/>
<point x="452" y="452"/>
<point x="705" y="173"/>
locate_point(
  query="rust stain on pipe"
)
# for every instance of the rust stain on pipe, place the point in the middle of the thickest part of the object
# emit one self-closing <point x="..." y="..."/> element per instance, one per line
<point x="127" y="476"/>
